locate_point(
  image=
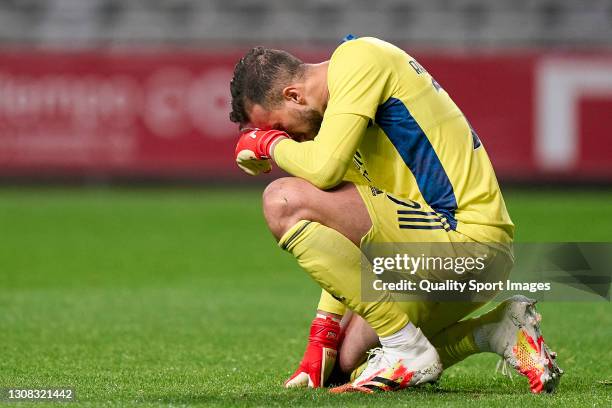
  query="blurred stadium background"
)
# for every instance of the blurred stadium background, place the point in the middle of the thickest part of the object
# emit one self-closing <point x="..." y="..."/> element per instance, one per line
<point x="99" y="90"/>
<point x="164" y="296"/>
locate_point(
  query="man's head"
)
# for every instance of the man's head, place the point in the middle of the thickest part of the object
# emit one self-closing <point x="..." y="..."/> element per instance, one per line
<point x="268" y="92"/>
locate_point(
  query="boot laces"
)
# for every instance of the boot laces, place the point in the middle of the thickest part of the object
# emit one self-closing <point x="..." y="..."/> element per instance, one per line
<point x="375" y="356"/>
<point x="502" y="367"/>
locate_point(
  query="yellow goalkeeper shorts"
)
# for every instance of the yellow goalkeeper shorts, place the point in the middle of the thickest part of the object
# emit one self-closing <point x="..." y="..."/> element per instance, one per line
<point x="409" y="223"/>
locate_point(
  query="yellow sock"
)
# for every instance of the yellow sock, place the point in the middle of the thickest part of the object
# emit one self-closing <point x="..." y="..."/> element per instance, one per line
<point x="456" y="342"/>
<point x="334" y="262"/>
<point x="467" y="337"/>
<point x="330" y="304"/>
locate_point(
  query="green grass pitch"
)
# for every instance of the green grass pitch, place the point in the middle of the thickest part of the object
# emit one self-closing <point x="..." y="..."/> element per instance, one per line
<point x="181" y="297"/>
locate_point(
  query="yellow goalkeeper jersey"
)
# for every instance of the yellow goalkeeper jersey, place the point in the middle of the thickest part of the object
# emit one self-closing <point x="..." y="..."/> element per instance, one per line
<point x="389" y="124"/>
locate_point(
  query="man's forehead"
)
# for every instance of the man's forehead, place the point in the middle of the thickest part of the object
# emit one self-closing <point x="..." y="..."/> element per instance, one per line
<point x="262" y="118"/>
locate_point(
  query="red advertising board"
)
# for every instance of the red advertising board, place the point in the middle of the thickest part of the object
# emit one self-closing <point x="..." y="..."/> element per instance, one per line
<point x="165" y="113"/>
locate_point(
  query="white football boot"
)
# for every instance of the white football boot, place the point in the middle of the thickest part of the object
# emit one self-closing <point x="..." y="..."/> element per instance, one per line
<point x="395" y="368"/>
<point x="513" y="332"/>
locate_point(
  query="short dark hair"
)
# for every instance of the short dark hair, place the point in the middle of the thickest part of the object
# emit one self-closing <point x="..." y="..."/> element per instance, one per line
<point x="259" y="77"/>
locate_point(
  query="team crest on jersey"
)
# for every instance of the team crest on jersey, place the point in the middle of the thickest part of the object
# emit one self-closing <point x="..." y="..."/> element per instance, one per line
<point x="375" y="191"/>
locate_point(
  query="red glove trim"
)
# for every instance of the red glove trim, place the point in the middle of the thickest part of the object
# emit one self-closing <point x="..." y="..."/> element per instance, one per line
<point x="321" y="351"/>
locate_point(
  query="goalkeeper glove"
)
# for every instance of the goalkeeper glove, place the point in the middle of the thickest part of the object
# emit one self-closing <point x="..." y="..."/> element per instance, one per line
<point x="320" y="356"/>
<point x="253" y="150"/>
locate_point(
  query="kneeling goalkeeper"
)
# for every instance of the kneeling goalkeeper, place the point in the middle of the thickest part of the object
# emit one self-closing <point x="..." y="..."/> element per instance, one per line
<point x="380" y="153"/>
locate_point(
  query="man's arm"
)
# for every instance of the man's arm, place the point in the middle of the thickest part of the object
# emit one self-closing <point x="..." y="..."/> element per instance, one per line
<point x="359" y="80"/>
<point x="325" y="160"/>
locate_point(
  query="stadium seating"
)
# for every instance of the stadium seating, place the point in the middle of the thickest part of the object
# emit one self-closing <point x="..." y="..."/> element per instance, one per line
<point x="445" y="23"/>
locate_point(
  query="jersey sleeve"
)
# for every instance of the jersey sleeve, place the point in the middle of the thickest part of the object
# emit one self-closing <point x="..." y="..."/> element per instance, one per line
<point x="324" y="160"/>
<point x="358" y="83"/>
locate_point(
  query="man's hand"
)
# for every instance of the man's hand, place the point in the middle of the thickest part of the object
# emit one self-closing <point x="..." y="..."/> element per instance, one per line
<point x="253" y="150"/>
<point x="320" y="355"/>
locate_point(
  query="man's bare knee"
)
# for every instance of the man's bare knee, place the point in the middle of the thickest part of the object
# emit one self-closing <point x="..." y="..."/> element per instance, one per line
<point x="284" y="204"/>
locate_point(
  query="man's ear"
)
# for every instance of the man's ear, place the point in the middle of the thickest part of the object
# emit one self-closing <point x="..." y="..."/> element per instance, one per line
<point x="294" y="93"/>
